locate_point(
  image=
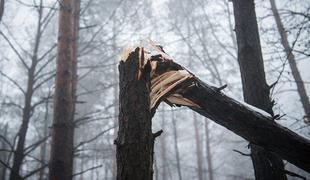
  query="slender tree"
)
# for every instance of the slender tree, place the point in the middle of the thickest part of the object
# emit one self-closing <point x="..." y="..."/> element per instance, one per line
<point x="291" y="60"/>
<point x="61" y="159"/>
<point x="29" y="105"/>
<point x="1" y="9"/>
<point x="198" y="147"/>
<point x="176" y="146"/>
<point x="255" y="89"/>
<point x="163" y="148"/>
<point x="208" y="150"/>
<point x="3" y="155"/>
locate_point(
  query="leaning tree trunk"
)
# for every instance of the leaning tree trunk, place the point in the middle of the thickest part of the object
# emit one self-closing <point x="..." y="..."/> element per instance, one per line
<point x="255" y="89"/>
<point x="135" y="141"/>
<point x="292" y="62"/>
<point x="61" y="159"/>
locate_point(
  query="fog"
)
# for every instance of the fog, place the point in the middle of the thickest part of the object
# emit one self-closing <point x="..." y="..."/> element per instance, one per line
<point x="198" y="34"/>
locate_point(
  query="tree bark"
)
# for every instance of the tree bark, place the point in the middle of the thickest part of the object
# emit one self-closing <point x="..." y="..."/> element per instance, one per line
<point x="61" y="159"/>
<point x="135" y="141"/>
<point x="255" y="88"/>
<point x="252" y="125"/>
<point x="291" y="60"/>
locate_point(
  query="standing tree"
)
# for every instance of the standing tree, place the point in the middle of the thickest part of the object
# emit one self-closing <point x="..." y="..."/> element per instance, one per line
<point x="35" y="68"/>
<point x="292" y="62"/>
<point x="198" y="147"/>
<point x="1" y="9"/>
<point x="255" y="89"/>
<point x="61" y="159"/>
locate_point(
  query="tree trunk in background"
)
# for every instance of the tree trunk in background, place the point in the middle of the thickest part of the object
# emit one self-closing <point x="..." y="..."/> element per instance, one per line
<point x="115" y="94"/>
<point x="1" y="9"/>
<point x="135" y="141"/>
<point x="291" y="60"/>
<point x="176" y="147"/>
<point x="3" y="154"/>
<point x="43" y="149"/>
<point x="255" y="89"/>
<point x="156" y="169"/>
<point x="27" y="108"/>
<point x="198" y="147"/>
<point x="61" y="160"/>
<point x="163" y="148"/>
<point x="208" y="151"/>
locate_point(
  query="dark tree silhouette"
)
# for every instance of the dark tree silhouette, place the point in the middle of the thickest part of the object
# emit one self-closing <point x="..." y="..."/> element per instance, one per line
<point x="61" y="160"/>
<point x="255" y="89"/>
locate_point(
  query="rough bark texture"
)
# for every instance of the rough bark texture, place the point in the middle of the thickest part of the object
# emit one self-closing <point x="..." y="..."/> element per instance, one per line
<point x="61" y="160"/>
<point x="255" y="88"/>
<point x="251" y="125"/>
<point x="135" y="141"/>
<point x="291" y="60"/>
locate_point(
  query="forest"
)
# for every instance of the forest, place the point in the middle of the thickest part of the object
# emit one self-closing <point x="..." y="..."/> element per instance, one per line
<point x="154" y="90"/>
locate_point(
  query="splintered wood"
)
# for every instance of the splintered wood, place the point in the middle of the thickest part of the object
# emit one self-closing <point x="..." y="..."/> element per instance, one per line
<point x="163" y="82"/>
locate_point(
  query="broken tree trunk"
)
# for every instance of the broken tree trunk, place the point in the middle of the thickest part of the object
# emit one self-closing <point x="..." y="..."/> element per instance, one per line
<point x="175" y="85"/>
<point x="135" y="141"/>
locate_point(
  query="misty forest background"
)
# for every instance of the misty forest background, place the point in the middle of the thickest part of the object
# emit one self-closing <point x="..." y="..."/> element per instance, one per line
<point x="197" y="34"/>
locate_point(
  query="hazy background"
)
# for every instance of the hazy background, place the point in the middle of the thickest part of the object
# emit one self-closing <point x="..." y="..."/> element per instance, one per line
<point x="198" y="34"/>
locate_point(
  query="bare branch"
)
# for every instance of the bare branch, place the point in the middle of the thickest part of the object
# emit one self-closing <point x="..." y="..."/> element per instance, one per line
<point x="90" y="169"/>
<point x="15" y="50"/>
<point x="14" y="82"/>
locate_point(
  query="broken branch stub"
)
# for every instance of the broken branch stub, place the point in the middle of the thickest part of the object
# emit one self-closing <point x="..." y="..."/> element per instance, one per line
<point x="173" y="84"/>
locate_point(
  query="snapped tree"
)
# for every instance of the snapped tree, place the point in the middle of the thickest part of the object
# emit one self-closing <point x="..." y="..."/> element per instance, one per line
<point x="148" y="77"/>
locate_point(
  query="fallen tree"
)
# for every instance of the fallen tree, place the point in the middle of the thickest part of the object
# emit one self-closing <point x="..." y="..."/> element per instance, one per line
<point x="173" y="84"/>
